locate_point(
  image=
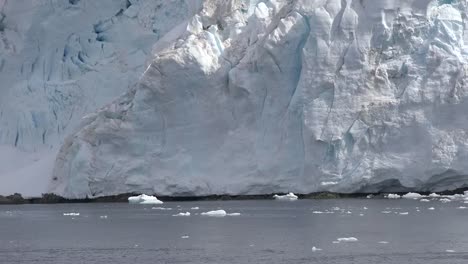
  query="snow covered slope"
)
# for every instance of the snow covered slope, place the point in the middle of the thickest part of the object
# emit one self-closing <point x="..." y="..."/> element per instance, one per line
<point x="61" y="59"/>
<point x="277" y="96"/>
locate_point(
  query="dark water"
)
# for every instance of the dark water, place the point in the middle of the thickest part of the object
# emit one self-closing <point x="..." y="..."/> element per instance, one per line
<point x="265" y="232"/>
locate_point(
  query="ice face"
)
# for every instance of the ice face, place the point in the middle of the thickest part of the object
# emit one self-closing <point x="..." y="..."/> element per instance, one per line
<point x="248" y="97"/>
<point x="60" y="60"/>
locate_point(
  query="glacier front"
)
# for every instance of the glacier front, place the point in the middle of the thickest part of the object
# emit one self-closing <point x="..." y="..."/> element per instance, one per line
<point x="256" y="97"/>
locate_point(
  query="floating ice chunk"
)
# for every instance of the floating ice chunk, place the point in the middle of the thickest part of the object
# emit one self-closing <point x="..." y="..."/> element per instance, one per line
<point x="335" y="208"/>
<point x="161" y="208"/>
<point x="361" y="214"/>
<point x="349" y="212"/>
<point x="386" y="212"/>
<point x="449" y="250"/>
<point x="233" y="214"/>
<point x="287" y="197"/>
<point x="383" y="242"/>
<point x="404" y="213"/>
<point x="434" y="195"/>
<point x="393" y="196"/>
<point x="424" y="200"/>
<point x="184" y="237"/>
<point x="316" y="249"/>
<point x="445" y="200"/>
<point x="431" y="208"/>
<point x="103" y="216"/>
<point x="218" y="213"/>
<point x="412" y="195"/>
<point x="347" y="239"/>
<point x="195" y="208"/>
<point x="335" y="242"/>
<point x="182" y="214"/>
<point x="317" y="212"/>
<point x="365" y="208"/>
<point x="461" y="207"/>
<point x="370" y="196"/>
<point x="144" y="199"/>
<point x="71" y="214"/>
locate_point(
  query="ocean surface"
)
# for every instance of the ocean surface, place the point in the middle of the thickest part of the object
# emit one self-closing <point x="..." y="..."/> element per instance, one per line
<point x="305" y="231"/>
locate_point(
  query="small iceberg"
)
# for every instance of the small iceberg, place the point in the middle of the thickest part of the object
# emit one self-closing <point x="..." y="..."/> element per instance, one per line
<point x="184" y="237"/>
<point x="103" y="217"/>
<point x="404" y="213"/>
<point x="434" y="195"/>
<point x="383" y="242"/>
<point x="233" y="214"/>
<point x="445" y="200"/>
<point x="450" y="251"/>
<point x="287" y="197"/>
<point x="392" y="196"/>
<point x="182" y="214"/>
<point x="195" y="208"/>
<point x="71" y="214"/>
<point x="461" y="207"/>
<point x="144" y="199"/>
<point x="431" y="208"/>
<point x="412" y="195"/>
<point x="316" y="249"/>
<point x="161" y="208"/>
<point x="347" y="239"/>
<point x="217" y="213"/>
<point x="424" y="200"/>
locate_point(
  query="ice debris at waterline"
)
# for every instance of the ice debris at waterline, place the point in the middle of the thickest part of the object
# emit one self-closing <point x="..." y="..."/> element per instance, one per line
<point x="144" y="199"/>
<point x="287" y="197"/>
<point x="71" y="214"/>
<point x="347" y="239"/>
<point x="316" y="249"/>
<point x="412" y="195"/>
<point x="392" y="196"/>
<point x="182" y="214"/>
<point x="219" y="213"/>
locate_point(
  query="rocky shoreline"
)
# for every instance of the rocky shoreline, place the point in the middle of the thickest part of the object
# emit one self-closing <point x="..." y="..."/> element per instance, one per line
<point x="50" y="198"/>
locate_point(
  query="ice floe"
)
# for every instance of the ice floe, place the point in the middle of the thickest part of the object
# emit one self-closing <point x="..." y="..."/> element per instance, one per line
<point x="431" y="208"/>
<point x="424" y="200"/>
<point x="316" y="249"/>
<point x="144" y="199"/>
<point x="71" y="214"/>
<point x="233" y="214"/>
<point x="103" y="217"/>
<point x="412" y="195"/>
<point x="182" y="214"/>
<point x="195" y="208"/>
<point x="383" y="242"/>
<point x="347" y="239"/>
<point x="404" y="213"/>
<point x="184" y="237"/>
<point x="287" y="197"/>
<point x="392" y="196"/>
<point x="161" y="208"/>
<point x="218" y="213"/>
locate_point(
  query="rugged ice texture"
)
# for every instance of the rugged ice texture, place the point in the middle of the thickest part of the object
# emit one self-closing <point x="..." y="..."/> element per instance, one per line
<point x="278" y="96"/>
<point x="61" y="59"/>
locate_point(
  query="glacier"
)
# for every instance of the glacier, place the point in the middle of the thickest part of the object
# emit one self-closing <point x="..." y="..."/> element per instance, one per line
<point x="236" y="96"/>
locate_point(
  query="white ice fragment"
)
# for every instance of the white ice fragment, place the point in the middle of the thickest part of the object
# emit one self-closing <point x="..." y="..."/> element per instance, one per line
<point x="103" y="217"/>
<point x="393" y="196"/>
<point x="287" y="197"/>
<point x="161" y="208"/>
<point x="144" y="199"/>
<point x="195" y="208"/>
<point x="404" y="213"/>
<point x="449" y="250"/>
<point x="383" y="242"/>
<point x="218" y="213"/>
<point x="370" y="196"/>
<point x="386" y="212"/>
<point x="424" y="200"/>
<point x="445" y="200"/>
<point x="361" y="214"/>
<point x="434" y="195"/>
<point x="233" y="214"/>
<point x="182" y="214"/>
<point x="431" y="208"/>
<point x="316" y="249"/>
<point x="365" y="208"/>
<point x="317" y="212"/>
<point x="184" y="237"/>
<point x="71" y="214"/>
<point x="412" y="195"/>
<point x="347" y="239"/>
<point x="461" y="207"/>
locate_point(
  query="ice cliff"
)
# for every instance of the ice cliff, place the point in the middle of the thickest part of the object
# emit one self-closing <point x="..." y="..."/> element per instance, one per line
<point x="242" y="97"/>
